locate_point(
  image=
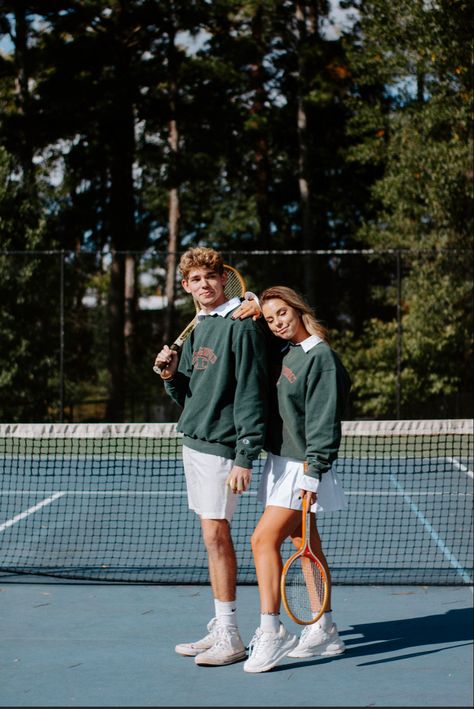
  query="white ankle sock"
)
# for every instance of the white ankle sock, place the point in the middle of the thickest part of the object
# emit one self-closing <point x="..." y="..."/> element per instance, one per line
<point x="226" y="611"/>
<point x="325" y="621"/>
<point x="270" y="622"/>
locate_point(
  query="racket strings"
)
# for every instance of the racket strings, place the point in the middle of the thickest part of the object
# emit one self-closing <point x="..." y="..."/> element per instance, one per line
<point x="235" y="285"/>
<point x="305" y="589"/>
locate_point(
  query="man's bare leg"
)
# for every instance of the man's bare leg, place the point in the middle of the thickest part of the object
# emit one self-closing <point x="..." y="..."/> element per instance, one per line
<point x="221" y="558"/>
<point x="223" y="576"/>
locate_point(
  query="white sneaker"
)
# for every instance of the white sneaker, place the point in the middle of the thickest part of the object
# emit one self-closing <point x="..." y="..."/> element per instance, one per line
<point x="316" y="641"/>
<point x="192" y="649"/>
<point x="267" y="649"/>
<point x="227" y="648"/>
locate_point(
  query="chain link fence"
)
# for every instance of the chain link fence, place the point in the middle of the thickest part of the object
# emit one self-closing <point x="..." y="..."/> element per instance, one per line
<point x="400" y="319"/>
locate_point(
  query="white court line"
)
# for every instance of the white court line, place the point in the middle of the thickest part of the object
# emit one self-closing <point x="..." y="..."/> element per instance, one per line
<point x="252" y="493"/>
<point x="105" y="493"/>
<point x="433" y="533"/>
<point x="30" y="511"/>
<point x="461" y="466"/>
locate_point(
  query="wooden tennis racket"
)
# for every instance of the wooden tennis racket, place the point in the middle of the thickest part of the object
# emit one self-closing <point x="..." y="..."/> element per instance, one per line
<point x="234" y="287"/>
<point x="304" y="582"/>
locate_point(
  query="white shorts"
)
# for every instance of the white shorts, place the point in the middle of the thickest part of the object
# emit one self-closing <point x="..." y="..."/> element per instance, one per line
<point x="208" y="494"/>
<point x="281" y="485"/>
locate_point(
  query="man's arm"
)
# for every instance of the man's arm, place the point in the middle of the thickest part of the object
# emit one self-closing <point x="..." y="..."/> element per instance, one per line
<point x="250" y="401"/>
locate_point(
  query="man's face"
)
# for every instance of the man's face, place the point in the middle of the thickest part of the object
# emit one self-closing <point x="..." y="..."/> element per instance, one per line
<point x="206" y="286"/>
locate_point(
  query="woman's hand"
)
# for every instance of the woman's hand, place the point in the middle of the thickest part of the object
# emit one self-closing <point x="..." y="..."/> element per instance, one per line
<point x="311" y="496"/>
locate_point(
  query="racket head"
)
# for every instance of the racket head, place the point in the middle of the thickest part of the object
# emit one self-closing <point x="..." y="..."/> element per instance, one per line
<point x="304" y="587"/>
<point x="235" y="284"/>
<point x="304" y="582"/>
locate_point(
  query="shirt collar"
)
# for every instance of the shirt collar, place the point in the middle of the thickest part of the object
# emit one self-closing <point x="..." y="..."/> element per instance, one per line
<point x="222" y="310"/>
<point x="308" y="344"/>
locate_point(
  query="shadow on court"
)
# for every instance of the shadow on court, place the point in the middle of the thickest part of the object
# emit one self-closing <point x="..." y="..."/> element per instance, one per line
<point x="90" y="645"/>
<point x="455" y="626"/>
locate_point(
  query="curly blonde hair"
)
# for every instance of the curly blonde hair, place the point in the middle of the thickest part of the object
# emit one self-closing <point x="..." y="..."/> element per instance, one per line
<point x="296" y="301"/>
<point x="200" y="257"/>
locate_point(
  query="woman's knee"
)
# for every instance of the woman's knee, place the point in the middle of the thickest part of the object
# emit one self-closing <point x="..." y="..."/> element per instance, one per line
<point x="263" y="541"/>
<point x="256" y="540"/>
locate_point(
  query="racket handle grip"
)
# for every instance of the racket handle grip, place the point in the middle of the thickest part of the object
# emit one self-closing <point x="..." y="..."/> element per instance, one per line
<point x="174" y="347"/>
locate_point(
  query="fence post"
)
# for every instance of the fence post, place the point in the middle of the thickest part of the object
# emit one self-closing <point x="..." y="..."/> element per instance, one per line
<point x="61" y="337"/>
<point x="399" y="334"/>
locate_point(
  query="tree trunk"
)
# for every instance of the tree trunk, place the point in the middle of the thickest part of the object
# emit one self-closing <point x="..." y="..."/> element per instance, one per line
<point x="130" y="308"/>
<point x="173" y="201"/>
<point x="262" y="171"/>
<point x="306" y="23"/>
<point x="116" y="399"/>
<point x="171" y="260"/>
<point x="25" y="148"/>
<point x="122" y="228"/>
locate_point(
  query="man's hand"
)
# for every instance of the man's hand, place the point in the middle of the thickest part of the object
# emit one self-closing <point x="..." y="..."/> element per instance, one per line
<point x="239" y="479"/>
<point x="167" y="361"/>
<point x="247" y="309"/>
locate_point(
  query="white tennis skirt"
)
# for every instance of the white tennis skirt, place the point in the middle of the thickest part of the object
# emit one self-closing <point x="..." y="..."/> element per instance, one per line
<point x="206" y="482"/>
<point x="281" y="485"/>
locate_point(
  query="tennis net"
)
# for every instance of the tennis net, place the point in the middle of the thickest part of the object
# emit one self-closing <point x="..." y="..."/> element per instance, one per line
<point x="108" y="502"/>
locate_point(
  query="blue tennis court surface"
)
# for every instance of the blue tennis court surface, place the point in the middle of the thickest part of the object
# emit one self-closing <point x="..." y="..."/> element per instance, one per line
<point x="105" y="505"/>
<point x="87" y="644"/>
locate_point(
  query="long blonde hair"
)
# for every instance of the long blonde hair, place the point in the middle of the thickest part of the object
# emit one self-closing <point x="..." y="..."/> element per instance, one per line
<point x="296" y="301"/>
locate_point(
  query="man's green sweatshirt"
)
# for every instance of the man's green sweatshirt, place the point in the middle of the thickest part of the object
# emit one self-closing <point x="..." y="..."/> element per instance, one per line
<point x="221" y="383"/>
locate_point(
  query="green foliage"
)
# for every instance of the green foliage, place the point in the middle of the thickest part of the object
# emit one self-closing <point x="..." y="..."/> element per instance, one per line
<point x="86" y="166"/>
<point x="416" y="126"/>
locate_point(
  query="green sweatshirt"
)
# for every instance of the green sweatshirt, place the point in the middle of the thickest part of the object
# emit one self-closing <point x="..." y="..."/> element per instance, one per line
<point x="312" y="391"/>
<point x="221" y="383"/>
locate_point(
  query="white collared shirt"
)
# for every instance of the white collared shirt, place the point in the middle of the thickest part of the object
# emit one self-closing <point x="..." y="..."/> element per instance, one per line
<point x="306" y="345"/>
<point x="222" y="309"/>
<point x="310" y="342"/>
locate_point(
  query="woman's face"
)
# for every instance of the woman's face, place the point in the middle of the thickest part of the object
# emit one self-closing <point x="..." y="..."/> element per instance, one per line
<point x="283" y="320"/>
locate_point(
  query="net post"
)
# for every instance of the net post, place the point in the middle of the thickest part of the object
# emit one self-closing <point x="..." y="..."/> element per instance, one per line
<point x="61" y="336"/>
<point x="399" y="336"/>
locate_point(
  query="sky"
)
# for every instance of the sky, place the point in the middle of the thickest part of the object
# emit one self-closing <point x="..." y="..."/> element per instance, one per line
<point x="340" y="20"/>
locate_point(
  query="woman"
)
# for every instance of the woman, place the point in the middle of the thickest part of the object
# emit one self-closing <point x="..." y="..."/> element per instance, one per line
<point x="312" y="391"/>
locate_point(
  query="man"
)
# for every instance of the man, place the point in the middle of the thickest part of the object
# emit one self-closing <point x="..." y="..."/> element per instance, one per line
<point x="220" y="381"/>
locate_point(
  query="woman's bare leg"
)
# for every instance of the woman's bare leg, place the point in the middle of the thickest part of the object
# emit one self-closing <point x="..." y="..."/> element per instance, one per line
<point x="275" y="525"/>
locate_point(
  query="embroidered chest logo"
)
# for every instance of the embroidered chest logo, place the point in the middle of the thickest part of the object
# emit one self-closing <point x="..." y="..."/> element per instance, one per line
<point x="288" y="374"/>
<point x="203" y="357"/>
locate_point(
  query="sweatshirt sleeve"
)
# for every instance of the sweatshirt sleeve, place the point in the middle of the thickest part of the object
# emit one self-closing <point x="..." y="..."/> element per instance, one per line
<point x="327" y="389"/>
<point x="177" y="387"/>
<point x="250" y="404"/>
